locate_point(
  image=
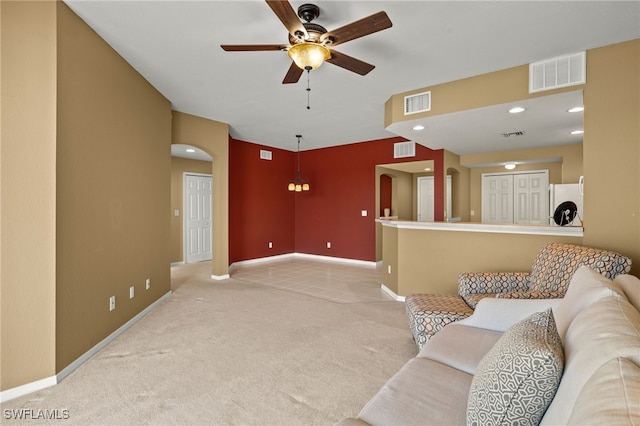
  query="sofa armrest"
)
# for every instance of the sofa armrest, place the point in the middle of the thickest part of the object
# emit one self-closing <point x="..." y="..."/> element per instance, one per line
<point x="531" y="295"/>
<point x="500" y="314"/>
<point x="470" y="283"/>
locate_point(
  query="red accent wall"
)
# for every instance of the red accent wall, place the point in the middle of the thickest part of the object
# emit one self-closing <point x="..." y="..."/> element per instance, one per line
<point x="260" y="207"/>
<point x="342" y="180"/>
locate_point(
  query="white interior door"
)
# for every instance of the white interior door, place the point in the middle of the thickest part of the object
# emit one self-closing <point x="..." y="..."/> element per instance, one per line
<point x="425" y="199"/>
<point x="531" y="198"/>
<point x="521" y="198"/>
<point x="197" y="217"/>
<point x="497" y="199"/>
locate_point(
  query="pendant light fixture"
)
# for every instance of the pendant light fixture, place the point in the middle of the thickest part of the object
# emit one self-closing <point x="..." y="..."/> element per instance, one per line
<point x="298" y="184"/>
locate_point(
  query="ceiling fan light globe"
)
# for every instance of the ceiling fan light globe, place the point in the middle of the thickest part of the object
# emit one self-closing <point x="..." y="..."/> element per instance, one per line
<point x="305" y="186"/>
<point x="308" y="55"/>
<point x="298" y="188"/>
<point x="292" y="186"/>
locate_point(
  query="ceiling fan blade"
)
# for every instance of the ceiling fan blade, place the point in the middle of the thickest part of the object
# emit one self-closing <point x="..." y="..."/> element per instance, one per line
<point x="350" y="63"/>
<point x="288" y="16"/>
<point x="253" y="47"/>
<point x="293" y="75"/>
<point x="365" y="26"/>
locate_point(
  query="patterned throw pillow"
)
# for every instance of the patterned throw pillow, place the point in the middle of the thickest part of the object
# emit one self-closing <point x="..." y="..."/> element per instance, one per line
<point x="517" y="379"/>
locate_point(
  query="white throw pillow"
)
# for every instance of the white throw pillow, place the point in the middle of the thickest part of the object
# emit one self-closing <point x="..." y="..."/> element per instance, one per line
<point x="517" y="379"/>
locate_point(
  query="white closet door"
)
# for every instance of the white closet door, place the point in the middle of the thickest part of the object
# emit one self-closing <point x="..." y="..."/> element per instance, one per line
<point x="497" y="199"/>
<point x="521" y="198"/>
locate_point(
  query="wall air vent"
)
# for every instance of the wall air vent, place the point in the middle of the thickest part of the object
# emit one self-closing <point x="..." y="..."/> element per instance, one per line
<point x="419" y="102"/>
<point x="562" y="71"/>
<point x="404" y="149"/>
<point x="265" y="155"/>
<point x="519" y="133"/>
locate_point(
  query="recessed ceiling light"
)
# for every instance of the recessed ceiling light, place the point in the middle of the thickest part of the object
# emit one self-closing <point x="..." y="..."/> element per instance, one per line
<point x="577" y="132"/>
<point x="191" y="150"/>
<point x="510" y="166"/>
<point x="428" y="169"/>
<point x="576" y="109"/>
<point x="516" y="110"/>
<point x="418" y="127"/>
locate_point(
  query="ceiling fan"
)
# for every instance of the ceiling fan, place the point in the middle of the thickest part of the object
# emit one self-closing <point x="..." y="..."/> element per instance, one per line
<point x="311" y="44"/>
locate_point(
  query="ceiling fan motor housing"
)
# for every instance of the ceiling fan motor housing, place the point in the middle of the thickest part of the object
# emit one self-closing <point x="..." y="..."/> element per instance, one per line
<point x="308" y="12"/>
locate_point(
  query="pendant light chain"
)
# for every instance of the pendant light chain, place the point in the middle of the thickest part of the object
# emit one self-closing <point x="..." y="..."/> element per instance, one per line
<point x="308" y="89"/>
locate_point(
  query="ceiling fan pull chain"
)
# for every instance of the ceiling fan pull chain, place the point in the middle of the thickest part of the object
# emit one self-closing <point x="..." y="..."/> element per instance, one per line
<point x="308" y="87"/>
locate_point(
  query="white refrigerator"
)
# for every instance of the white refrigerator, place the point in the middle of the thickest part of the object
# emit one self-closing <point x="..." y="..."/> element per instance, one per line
<point x="561" y="209"/>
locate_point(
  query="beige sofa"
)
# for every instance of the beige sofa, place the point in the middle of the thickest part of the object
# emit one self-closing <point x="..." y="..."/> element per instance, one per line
<point x="516" y="361"/>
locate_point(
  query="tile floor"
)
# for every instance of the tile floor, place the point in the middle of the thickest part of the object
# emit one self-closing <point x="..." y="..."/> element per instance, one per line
<point x="336" y="281"/>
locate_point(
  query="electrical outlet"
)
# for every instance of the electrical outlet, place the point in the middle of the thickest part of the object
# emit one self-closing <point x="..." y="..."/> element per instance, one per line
<point x="112" y="303"/>
<point x="147" y="284"/>
<point x="270" y="244"/>
<point x="364" y="213"/>
<point x="473" y="212"/>
<point x="132" y="292"/>
<point x="328" y="244"/>
<point x="388" y="269"/>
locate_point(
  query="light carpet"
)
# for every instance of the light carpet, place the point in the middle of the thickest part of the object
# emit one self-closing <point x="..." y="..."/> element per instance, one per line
<point x="235" y="352"/>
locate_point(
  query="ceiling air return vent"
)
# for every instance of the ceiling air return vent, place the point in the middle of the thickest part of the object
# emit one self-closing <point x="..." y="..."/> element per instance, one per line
<point x="419" y="102"/>
<point x="562" y="71"/>
<point x="404" y="149"/>
<point x="518" y="133"/>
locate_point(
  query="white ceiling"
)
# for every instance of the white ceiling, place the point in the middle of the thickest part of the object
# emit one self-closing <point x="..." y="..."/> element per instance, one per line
<point x="175" y="45"/>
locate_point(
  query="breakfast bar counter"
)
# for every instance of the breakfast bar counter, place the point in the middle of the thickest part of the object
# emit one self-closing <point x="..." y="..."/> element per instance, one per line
<point x="426" y="257"/>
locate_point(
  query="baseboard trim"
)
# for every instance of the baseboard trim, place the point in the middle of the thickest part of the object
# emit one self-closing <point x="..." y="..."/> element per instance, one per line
<point x="64" y="373"/>
<point x="220" y="277"/>
<point x="301" y="255"/>
<point x="178" y="263"/>
<point x="391" y="293"/>
<point x="28" y="388"/>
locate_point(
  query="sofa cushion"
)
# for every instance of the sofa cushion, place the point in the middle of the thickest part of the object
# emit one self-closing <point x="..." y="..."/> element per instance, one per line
<point x="586" y="287"/>
<point x="608" y="329"/>
<point x="460" y="346"/>
<point x="611" y="396"/>
<point x="518" y="378"/>
<point x="500" y="314"/>
<point x="631" y="287"/>
<point x="423" y="392"/>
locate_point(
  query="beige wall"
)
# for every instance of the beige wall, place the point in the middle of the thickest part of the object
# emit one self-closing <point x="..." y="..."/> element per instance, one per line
<point x="609" y="159"/>
<point x="427" y="261"/>
<point x="178" y="167"/>
<point x="113" y="190"/>
<point x="212" y="137"/>
<point x="568" y="170"/>
<point x="612" y="150"/>
<point x="27" y="191"/>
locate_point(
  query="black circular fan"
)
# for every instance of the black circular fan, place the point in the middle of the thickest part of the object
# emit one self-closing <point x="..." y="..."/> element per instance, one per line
<point x="565" y="213"/>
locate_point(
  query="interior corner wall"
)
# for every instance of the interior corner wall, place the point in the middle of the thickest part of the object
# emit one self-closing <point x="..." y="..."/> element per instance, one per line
<point x="343" y="184"/>
<point x="213" y="138"/>
<point x="612" y="150"/>
<point x="27" y="191"/>
<point x="261" y="209"/>
<point x="179" y="166"/>
<point x="113" y="189"/>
